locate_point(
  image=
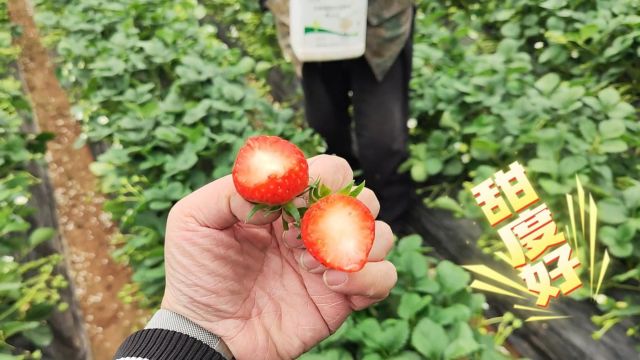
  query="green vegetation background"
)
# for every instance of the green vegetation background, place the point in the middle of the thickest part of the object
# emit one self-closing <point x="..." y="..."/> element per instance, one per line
<point x="553" y="84"/>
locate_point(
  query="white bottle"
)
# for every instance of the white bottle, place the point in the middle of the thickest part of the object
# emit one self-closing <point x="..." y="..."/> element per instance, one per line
<point x="323" y="30"/>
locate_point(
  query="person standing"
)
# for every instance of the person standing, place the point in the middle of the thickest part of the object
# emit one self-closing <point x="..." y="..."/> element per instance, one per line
<point x="376" y="86"/>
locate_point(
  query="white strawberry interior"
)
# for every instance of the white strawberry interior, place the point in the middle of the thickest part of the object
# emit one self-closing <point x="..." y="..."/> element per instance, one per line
<point x="349" y="242"/>
<point x="265" y="163"/>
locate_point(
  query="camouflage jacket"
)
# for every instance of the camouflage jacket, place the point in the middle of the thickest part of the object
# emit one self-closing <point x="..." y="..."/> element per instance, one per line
<point x="388" y="27"/>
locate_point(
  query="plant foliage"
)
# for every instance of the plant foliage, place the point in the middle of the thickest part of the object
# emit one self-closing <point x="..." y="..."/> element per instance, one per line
<point x="551" y="84"/>
<point x="28" y="288"/>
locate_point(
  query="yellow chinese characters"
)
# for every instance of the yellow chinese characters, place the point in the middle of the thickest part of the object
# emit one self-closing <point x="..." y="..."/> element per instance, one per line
<point x="528" y="236"/>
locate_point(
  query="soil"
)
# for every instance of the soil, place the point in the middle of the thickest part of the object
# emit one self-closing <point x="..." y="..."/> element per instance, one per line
<point x="85" y="229"/>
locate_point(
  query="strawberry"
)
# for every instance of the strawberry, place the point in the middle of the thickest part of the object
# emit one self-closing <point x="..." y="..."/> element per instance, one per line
<point x="270" y="170"/>
<point x="338" y="230"/>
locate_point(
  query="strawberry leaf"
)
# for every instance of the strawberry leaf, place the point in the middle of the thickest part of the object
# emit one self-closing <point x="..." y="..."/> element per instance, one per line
<point x="347" y="189"/>
<point x="255" y="209"/>
<point x="355" y="192"/>
<point x="324" y="191"/>
<point x="292" y="210"/>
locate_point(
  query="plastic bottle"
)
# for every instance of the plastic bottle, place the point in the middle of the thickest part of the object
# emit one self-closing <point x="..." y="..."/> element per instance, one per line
<point x="323" y="30"/>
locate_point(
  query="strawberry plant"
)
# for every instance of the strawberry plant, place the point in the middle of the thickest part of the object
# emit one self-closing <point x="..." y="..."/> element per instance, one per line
<point x="430" y="314"/>
<point x="174" y="103"/>
<point x="28" y="287"/>
<point x="551" y="84"/>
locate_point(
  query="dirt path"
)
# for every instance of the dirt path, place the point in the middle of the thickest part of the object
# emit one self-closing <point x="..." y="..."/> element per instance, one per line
<point x="85" y="229"/>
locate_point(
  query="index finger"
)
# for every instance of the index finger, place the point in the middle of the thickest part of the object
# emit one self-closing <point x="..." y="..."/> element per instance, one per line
<point x="218" y="205"/>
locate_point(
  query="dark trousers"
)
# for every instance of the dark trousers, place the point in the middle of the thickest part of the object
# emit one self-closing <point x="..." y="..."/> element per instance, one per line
<point x="380" y="112"/>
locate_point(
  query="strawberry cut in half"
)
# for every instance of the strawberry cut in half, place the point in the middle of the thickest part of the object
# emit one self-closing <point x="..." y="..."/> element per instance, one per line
<point x="338" y="230"/>
<point x="270" y="170"/>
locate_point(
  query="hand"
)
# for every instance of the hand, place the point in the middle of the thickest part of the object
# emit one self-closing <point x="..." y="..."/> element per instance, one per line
<point x="255" y="285"/>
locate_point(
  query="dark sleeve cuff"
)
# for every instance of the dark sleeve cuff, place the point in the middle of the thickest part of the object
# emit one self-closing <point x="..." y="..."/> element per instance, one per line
<point x="161" y="344"/>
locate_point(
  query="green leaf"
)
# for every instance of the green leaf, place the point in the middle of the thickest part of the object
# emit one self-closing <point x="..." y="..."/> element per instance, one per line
<point x="41" y="235"/>
<point x="460" y="348"/>
<point x="510" y="30"/>
<point x="553" y="4"/>
<point x="411" y="262"/>
<point x="453" y="167"/>
<point x="419" y="171"/>
<point x="427" y="285"/>
<point x="184" y="161"/>
<point x="631" y="196"/>
<point x="622" y="110"/>
<point x="373" y="356"/>
<point x="546" y="166"/>
<point x="346" y="189"/>
<point x="410" y="305"/>
<point x="433" y="166"/>
<point x="625" y="233"/>
<point x="451" y="314"/>
<point x="9" y="286"/>
<point x="571" y="164"/>
<point x="611" y="128"/>
<point x="429" y="339"/>
<point x="109" y="67"/>
<point x="324" y="190"/>
<point x="167" y="134"/>
<point x="588" y="130"/>
<point x="483" y="149"/>
<point x="292" y="210"/>
<point x="611" y="238"/>
<point x="409" y="243"/>
<point x="612" y="211"/>
<point x="547" y="83"/>
<point x="609" y="97"/>
<point x="10" y="328"/>
<point x="331" y="354"/>
<point x="406" y="355"/>
<point x="100" y="168"/>
<point x="452" y="278"/>
<point x="357" y="190"/>
<point x="447" y="203"/>
<point x="552" y="187"/>
<point x="613" y="146"/>
<point x="618" y="45"/>
<point x="197" y="112"/>
<point x="394" y="335"/>
<point x="41" y="336"/>
<point x="255" y="209"/>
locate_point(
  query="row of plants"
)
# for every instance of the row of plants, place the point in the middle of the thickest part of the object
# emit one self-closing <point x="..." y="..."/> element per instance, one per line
<point x="172" y="102"/>
<point x="153" y="81"/>
<point x="430" y="314"/>
<point x="28" y="286"/>
<point x="551" y="84"/>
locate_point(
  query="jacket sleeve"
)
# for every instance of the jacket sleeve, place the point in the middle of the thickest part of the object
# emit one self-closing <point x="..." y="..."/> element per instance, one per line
<point x="170" y="336"/>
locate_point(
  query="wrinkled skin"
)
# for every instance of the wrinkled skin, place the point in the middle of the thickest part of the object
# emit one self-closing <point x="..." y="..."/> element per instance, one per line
<point x="255" y="285"/>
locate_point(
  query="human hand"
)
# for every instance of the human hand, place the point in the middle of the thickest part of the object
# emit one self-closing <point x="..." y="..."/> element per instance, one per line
<point x="253" y="284"/>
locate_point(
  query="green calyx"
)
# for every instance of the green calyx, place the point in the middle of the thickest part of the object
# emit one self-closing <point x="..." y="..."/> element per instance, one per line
<point x="315" y="191"/>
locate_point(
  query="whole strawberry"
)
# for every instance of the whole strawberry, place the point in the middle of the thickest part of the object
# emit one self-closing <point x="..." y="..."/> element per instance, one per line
<point x="270" y="171"/>
<point x="338" y="230"/>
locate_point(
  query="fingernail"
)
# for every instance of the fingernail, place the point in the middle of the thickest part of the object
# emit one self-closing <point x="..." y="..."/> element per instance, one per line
<point x="290" y="237"/>
<point x="308" y="262"/>
<point x="335" y="278"/>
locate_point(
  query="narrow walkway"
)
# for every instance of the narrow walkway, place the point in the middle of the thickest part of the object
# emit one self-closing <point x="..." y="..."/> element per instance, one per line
<point x="85" y="229"/>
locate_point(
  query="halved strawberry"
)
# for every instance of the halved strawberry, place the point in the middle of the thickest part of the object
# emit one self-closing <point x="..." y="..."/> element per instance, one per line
<point x="338" y="231"/>
<point x="270" y="170"/>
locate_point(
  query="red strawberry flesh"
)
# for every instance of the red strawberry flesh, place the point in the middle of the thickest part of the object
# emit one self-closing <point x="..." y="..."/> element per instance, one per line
<point x="338" y="231"/>
<point x="270" y="170"/>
